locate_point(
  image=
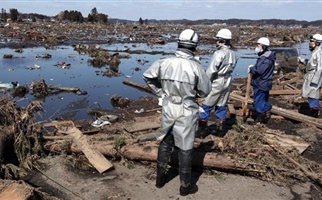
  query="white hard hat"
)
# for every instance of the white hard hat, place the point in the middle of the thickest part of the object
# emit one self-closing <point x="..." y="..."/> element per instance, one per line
<point x="188" y="37"/>
<point x="317" y="37"/>
<point x="263" y="41"/>
<point x="224" y="34"/>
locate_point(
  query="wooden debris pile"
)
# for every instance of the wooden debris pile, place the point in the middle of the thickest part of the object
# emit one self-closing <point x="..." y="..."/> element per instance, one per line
<point x="19" y="136"/>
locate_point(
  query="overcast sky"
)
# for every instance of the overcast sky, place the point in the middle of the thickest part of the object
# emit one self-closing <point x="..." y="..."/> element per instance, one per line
<point x="309" y="10"/>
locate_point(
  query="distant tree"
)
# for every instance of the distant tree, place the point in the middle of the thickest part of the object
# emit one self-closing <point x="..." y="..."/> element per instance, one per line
<point x="94" y="14"/>
<point x="141" y="21"/>
<point x="102" y="18"/>
<point x="14" y="14"/>
<point x="90" y="18"/>
<point x="33" y="18"/>
<point x="146" y="21"/>
<point x="3" y="15"/>
<point x="73" y="16"/>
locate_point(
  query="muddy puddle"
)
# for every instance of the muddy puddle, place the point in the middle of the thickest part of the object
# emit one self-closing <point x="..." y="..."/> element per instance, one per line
<point x="34" y="64"/>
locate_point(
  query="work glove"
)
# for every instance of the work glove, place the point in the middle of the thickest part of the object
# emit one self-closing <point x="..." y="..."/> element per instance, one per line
<point x="248" y="70"/>
<point x="160" y="99"/>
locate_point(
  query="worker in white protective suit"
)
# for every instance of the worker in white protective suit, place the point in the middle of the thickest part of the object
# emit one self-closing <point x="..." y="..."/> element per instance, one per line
<point x="220" y="74"/>
<point x="313" y="76"/>
<point x="179" y="80"/>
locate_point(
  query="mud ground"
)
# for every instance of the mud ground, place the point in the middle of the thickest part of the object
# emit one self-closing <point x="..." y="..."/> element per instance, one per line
<point x="135" y="181"/>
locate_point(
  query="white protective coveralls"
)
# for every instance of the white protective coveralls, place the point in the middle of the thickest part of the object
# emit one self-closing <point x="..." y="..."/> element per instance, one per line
<point x="219" y="72"/>
<point x="313" y="76"/>
<point x="179" y="80"/>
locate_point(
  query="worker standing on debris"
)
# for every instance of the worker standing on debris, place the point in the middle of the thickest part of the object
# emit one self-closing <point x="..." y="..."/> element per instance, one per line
<point x="178" y="81"/>
<point x="262" y="78"/>
<point x="313" y="76"/>
<point x="219" y="71"/>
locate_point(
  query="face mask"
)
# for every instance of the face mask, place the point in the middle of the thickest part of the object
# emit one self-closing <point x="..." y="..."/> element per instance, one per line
<point x="311" y="47"/>
<point x="218" y="44"/>
<point x="257" y="50"/>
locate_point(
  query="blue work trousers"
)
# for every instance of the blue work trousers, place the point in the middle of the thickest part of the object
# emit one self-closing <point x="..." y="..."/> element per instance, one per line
<point x="314" y="103"/>
<point x="220" y="112"/>
<point x="261" y="103"/>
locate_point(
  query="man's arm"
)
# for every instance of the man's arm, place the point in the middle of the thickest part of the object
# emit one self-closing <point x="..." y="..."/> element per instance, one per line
<point x="212" y="71"/>
<point x="317" y="75"/>
<point x="151" y="77"/>
<point x="203" y="83"/>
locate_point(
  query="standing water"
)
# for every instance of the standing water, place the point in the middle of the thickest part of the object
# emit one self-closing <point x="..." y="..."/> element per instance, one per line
<point x="83" y="75"/>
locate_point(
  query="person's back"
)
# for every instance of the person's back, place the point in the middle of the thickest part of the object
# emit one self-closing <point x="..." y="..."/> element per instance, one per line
<point x="179" y="76"/>
<point x="224" y="63"/>
<point x="179" y="81"/>
<point x="263" y="71"/>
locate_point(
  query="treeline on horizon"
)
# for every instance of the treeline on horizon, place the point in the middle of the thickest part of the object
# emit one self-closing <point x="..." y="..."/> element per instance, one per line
<point x="71" y="15"/>
<point x="95" y="16"/>
<point x="285" y="22"/>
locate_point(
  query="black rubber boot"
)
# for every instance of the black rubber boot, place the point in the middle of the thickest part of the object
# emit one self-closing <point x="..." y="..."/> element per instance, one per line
<point x="314" y="112"/>
<point x="263" y="117"/>
<point x="164" y="154"/>
<point x="185" y="158"/>
<point x="202" y="125"/>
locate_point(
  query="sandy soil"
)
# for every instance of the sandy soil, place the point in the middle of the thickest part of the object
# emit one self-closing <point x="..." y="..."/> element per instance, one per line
<point x="136" y="182"/>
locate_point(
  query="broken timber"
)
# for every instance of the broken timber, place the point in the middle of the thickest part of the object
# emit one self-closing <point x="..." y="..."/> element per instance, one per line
<point x="311" y="175"/>
<point x="66" y="89"/>
<point x="17" y="191"/>
<point x="139" y="86"/>
<point x="285" y="113"/>
<point x="141" y="126"/>
<point x="286" y="141"/>
<point x="96" y="158"/>
<point x="286" y="92"/>
<point x="150" y="153"/>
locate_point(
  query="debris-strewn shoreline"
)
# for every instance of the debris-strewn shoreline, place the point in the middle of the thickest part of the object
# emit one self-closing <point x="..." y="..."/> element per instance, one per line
<point x="286" y="151"/>
<point x="47" y="34"/>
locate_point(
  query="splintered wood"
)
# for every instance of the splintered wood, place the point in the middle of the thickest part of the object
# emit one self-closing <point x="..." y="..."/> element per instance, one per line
<point x="96" y="158"/>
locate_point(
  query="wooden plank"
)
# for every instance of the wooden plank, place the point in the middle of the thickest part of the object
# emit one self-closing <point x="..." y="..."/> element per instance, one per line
<point x="286" y="92"/>
<point x="142" y="125"/>
<point x="138" y="86"/>
<point x="245" y="103"/>
<point x="17" y="191"/>
<point x="66" y="89"/>
<point x="94" y="157"/>
<point x="150" y="136"/>
<point x="285" y="113"/>
<point x="231" y="109"/>
<point x="287" y="141"/>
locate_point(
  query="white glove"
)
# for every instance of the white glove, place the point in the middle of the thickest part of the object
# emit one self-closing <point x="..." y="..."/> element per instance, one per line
<point x="250" y="66"/>
<point x="161" y="99"/>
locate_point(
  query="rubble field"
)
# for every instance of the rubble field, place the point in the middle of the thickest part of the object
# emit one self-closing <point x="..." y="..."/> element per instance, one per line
<point x="114" y="157"/>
